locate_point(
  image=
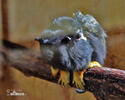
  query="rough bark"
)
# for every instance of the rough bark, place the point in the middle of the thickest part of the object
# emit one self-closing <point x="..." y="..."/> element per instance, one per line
<point x="104" y="83"/>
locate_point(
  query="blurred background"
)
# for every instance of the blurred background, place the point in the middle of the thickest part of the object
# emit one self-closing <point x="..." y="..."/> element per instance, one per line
<point x="23" y="20"/>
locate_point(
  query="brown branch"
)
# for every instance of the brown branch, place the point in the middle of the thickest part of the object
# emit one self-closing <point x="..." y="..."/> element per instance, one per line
<point x="104" y="83"/>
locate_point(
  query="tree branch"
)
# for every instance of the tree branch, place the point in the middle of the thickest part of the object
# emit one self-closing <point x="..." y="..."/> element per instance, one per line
<point x="104" y="83"/>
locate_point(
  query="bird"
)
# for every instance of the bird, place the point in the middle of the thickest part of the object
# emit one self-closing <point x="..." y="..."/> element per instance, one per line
<point x="71" y="45"/>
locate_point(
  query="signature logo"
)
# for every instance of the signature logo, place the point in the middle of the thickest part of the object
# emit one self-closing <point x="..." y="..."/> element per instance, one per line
<point x="14" y="92"/>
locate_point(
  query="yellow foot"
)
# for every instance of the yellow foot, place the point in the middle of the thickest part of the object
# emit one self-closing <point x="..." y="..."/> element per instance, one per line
<point x="64" y="78"/>
<point x="54" y="71"/>
<point x="78" y="79"/>
<point x="94" y="64"/>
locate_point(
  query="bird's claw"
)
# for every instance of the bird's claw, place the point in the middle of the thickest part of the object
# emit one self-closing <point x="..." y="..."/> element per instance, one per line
<point x="64" y="78"/>
<point x="79" y="83"/>
<point x="78" y="80"/>
<point x="63" y="82"/>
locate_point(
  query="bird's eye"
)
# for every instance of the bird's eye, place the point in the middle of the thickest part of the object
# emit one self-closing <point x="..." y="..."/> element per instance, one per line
<point x="78" y="36"/>
<point x="66" y="39"/>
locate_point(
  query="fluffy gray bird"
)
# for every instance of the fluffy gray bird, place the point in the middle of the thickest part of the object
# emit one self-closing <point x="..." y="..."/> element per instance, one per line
<point x="70" y="45"/>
